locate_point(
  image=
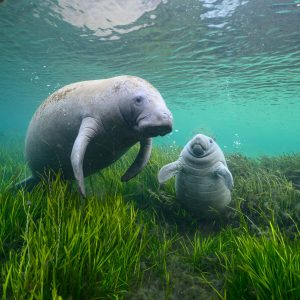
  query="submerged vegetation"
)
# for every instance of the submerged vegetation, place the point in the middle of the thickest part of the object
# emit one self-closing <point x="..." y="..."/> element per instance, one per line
<point x="134" y="241"/>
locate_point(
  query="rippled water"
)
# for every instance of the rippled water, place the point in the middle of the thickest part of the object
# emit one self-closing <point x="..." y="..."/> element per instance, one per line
<point x="227" y="68"/>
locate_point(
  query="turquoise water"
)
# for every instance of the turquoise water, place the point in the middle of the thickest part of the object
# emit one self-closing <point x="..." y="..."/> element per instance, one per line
<point x="227" y="68"/>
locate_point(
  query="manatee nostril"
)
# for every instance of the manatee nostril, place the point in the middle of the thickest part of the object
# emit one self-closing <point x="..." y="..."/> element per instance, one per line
<point x="166" y="116"/>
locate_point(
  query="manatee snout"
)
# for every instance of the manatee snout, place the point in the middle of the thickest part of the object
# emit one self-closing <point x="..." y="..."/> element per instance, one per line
<point x="199" y="145"/>
<point x="198" y="150"/>
<point x="156" y="123"/>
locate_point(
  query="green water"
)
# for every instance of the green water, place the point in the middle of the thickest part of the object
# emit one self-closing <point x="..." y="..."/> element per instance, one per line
<point x="227" y="68"/>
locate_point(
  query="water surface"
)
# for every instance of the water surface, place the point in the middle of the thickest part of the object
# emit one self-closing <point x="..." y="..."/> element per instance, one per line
<point x="227" y="68"/>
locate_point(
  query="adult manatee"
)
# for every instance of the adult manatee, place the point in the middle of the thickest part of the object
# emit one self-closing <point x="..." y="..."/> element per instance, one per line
<point x="203" y="181"/>
<point x="86" y="126"/>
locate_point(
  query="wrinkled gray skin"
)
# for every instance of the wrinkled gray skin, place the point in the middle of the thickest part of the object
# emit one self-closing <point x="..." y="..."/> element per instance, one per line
<point x="86" y="126"/>
<point x="203" y="182"/>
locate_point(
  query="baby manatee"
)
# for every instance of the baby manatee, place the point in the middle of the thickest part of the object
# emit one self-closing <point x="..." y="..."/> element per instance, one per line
<point x="203" y="182"/>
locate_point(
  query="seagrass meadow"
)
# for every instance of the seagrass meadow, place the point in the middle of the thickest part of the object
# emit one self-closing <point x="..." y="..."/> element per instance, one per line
<point x="228" y="69"/>
<point x="134" y="241"/>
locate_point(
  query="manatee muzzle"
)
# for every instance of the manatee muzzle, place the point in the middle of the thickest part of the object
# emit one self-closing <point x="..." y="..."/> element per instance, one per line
<point x="159" y="123"/>
<point x="198" y="147"/>
<point x="197" y="150"/>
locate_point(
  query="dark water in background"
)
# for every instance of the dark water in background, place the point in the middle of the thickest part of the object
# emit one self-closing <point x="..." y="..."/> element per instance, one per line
<point x="227" y="68"/>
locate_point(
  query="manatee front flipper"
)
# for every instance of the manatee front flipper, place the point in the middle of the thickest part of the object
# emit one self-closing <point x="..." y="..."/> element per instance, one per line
<point x="140" y="161"/>
<point x="89" y="128"/>
<point x="168" y="171"/>
<point x="223" y="172"/>
<point x="28" y="183"/>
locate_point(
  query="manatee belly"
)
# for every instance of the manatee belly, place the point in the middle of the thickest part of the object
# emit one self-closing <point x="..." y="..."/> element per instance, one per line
<point x="48" y="147"/>
<point x="200" y="192"/>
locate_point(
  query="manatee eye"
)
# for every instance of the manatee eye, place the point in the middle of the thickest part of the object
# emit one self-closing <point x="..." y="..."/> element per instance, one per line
<point x="138" y="100"/>
<point x="211" y="141"/>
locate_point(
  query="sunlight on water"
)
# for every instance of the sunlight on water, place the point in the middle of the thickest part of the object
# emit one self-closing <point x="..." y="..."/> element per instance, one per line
<point x="106" y="17"/>
<point x="227" y="68"/>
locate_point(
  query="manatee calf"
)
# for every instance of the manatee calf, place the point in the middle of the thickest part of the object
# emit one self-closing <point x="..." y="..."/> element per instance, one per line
<point x="86" y="126"/>
<point x="203" y="181"/>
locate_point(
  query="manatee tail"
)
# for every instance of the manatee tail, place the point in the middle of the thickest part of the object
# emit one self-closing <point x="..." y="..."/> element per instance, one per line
<point x="28" y="183"/>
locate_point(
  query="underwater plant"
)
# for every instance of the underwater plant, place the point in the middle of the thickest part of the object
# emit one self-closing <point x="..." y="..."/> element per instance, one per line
<point x="135" y="241"/>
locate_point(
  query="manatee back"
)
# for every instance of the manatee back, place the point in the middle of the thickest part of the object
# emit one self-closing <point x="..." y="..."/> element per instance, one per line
<point x="55" y="125"/>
